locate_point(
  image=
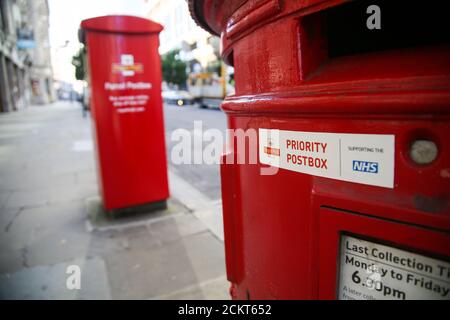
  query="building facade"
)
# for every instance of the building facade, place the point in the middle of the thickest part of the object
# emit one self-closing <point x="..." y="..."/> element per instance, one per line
<point x="25" y="65"/>
<point x="41" y="73"/>
<point x="197" y="47"/>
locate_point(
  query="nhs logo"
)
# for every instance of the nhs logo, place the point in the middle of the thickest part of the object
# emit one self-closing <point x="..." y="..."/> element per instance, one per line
<point x="365" y="166"/>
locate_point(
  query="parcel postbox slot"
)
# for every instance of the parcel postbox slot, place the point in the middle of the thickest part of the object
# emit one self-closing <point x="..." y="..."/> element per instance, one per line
<point x="426" y="62"/>
<point x="339" y="38"/>
<point x="402" y="26"/>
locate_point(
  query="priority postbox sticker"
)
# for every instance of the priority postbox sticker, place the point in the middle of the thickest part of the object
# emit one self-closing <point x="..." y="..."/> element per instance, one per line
<point x="372" y="271"/>
<point x="359" y="158"/>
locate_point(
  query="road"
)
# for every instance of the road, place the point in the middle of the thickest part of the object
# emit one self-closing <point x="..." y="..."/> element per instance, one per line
<point x="205" y="178"/>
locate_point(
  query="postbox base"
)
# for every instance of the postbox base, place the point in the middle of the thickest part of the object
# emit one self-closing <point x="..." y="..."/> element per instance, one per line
<point x="140" y="209"/>
<point x="101" y="220"/>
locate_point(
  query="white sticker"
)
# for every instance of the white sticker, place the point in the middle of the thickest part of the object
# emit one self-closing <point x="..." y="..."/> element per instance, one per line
<point x="361" y="158"/>
<point x="371" y="271"/>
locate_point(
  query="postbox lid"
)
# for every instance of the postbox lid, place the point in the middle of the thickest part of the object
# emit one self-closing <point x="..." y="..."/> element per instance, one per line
<point x="121" y="24"/>
<point x="212" y="15"/>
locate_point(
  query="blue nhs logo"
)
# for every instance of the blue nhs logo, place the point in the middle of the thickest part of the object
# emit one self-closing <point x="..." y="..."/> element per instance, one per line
<point x="365" y="166"/>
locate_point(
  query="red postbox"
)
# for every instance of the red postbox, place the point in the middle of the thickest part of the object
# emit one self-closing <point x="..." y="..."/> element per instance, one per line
<point x="125" y="79"/>
<point x="354" y="120"/>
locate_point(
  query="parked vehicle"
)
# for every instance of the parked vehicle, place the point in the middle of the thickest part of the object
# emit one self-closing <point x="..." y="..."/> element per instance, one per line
<point x="208" y="89"/>
<point x="177" y="97"/>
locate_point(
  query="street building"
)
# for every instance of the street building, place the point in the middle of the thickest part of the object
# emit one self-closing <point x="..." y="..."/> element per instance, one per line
<point x="209" y="80"/>
<point x="41" y="73"/>
<point x="25" y="65"/>
<point x="197" y="47"/>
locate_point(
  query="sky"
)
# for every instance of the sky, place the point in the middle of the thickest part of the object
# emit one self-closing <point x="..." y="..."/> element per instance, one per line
<point x="65" y="19"/>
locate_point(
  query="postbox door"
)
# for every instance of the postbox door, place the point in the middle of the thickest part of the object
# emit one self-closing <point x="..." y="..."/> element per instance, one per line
<point x="363" y="257"/>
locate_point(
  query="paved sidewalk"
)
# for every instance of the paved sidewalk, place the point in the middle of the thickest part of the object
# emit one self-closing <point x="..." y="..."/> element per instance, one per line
<point x="47" y="171"/>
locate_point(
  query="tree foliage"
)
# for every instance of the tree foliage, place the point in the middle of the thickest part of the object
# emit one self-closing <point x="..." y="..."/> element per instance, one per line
<point x="215" y="67"/>
<point x="174" y="69"/>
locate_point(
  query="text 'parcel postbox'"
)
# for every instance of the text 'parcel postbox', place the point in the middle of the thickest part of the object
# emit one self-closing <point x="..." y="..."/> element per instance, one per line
<point x="353" y="113"/>
<point x="125" y="79"/>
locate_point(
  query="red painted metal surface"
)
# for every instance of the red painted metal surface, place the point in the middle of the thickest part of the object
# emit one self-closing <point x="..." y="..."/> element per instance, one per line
<point x="125" y="77"/>
<point x="282" y="231"/>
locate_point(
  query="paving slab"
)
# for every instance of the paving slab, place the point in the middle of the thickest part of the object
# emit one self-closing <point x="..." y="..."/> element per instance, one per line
<point x="143" y="274"/>
<point x="175" y="228"/>
<point x="47" y="175"/>
<point x="214" y="289"/>
<point x="100" y="219"/>
<point x="29" y="198"/>
<point x="3" y="197"/>
<point x="49" y="282"/>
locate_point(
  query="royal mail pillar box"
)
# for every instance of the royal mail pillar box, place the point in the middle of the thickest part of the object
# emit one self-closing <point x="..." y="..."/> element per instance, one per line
<point x="349" y="195"/>
<point x="126" y="104"/>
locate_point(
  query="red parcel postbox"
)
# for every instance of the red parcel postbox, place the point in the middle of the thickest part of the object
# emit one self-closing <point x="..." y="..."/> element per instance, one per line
<point x="125" y="79"/>
<point x="355" y="120"/>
